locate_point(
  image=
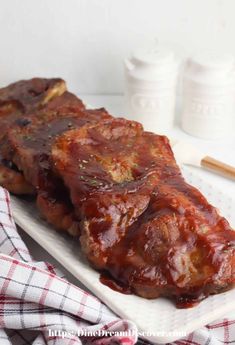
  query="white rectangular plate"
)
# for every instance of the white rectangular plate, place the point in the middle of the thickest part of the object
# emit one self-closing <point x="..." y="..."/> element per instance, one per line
<point x="158" y="316"/>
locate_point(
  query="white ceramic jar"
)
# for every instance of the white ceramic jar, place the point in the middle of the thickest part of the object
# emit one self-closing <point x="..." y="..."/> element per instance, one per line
<point x="208" y="96"/>
<point x="150" y="88"/>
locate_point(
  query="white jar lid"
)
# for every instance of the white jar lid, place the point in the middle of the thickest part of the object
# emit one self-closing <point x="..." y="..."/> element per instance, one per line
<point x="211" y="62"/>
<point x="156" y="57"/>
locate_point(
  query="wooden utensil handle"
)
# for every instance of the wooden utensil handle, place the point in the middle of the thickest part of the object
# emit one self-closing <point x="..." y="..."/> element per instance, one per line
<point x="218" y="167"/>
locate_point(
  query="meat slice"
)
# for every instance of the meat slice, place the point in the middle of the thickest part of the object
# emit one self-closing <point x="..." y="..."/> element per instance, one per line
<point x="179" y="247"/>
<point x="28" y="146"/>
<point x="31" y="94"/>
<point x="28" y="142"/>
<point x="27" y="96"/>
<point x="13" y="180"/>
<point x="65" y="102"/>
<point x="16" y="100"/>
<point x="141" y="222"/>
<point x="111" y="170"/>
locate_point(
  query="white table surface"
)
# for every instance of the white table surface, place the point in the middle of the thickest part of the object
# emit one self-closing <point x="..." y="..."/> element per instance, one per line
<point x="221" y="149"/>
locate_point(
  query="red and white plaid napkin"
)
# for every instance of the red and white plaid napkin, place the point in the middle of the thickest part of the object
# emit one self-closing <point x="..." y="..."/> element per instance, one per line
<point x="39" y="307"/>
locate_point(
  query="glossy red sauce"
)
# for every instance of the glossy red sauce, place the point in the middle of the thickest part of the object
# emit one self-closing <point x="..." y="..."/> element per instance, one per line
<point x="107" y="280"/>
<point x="154" y="233"/>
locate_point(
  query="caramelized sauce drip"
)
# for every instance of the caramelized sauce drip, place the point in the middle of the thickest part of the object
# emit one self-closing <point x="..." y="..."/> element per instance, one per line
<point x="107" y="280"/>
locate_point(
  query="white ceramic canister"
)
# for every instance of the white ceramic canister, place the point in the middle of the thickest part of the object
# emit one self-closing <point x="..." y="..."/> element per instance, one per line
<point x="150" y="88"/>
<point x="208" y="104"/>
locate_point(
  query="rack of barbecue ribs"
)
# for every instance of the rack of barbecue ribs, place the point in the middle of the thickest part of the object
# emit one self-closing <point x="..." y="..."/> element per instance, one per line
<point x="118" y="190"/>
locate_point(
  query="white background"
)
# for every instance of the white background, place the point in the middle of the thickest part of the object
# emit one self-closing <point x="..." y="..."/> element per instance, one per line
<point x="84" y="41"/>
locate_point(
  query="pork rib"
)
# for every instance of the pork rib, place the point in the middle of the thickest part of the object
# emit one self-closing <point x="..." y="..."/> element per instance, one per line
<point x="141" y="222"/>
<point x="16" y="100"/>
<point x="28" y="146"/>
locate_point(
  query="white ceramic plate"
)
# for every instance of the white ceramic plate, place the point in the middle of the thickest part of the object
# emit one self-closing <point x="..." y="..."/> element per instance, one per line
<point x="158" y="316"/>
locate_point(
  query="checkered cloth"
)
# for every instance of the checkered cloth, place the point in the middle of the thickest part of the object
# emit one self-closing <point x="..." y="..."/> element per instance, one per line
<point x="39" y="307"/>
